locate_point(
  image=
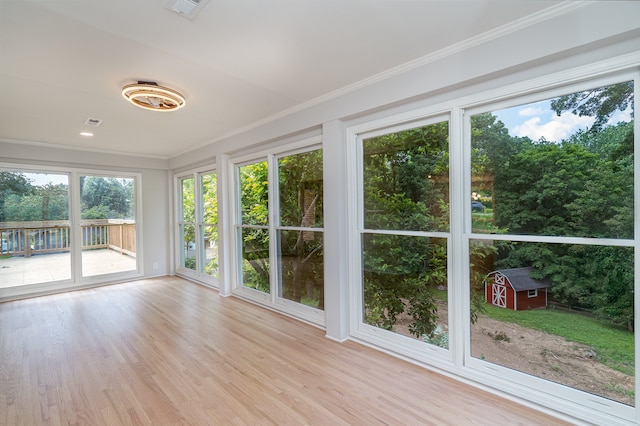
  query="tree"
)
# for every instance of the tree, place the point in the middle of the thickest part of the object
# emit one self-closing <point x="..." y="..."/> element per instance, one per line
<point x="405" y="178"/>
<point x="114" y="194"/>
<point x="12" y="183"/>
<point x="534" y="189"/>
<point x="254" y="200"/>
<point x="210" y="216"/>
<point x="301" y="205"/>
<point x="188" y="229"/>
<point x="600" y="103"/>
<point x="581" y="187"/>
<point x="49" y="202"/>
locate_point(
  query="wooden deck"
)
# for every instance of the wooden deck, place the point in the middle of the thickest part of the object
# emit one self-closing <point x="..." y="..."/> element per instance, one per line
<point x="20" y="270"/>
<point x="166" y="351"/>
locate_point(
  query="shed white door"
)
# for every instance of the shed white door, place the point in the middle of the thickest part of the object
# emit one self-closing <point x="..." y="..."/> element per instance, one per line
<point x="499" y="292"/>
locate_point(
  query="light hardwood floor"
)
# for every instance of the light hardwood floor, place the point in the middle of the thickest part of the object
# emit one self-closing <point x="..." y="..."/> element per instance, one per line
<point x="169" y="352"/>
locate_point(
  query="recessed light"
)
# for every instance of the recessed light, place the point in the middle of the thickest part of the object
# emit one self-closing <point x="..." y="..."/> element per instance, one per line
<point x="86" y="134"/>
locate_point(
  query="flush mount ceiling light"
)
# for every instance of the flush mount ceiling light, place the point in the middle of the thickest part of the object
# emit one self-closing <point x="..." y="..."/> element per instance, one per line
<point x="148" y="95"/>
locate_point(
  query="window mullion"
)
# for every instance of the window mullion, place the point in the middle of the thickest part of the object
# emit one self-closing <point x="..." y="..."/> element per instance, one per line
<point x="274" y="220"/>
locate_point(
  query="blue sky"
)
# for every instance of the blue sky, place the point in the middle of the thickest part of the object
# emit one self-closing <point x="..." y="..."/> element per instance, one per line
<point x="537" y="120"/>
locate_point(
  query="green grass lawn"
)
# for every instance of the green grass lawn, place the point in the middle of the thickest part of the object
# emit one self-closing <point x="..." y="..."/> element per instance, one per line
<point x="614" y="345"/>
<point x="483" y="222"/>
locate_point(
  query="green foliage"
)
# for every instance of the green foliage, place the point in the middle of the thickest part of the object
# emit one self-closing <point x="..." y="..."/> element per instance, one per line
<point x="209" y="186"/>
<point x="424" y="310"/>
<point x="254" y="193"/>
<point x="48" y="202"/>
<point x="491" y="145"/>
<point x="12" y="183"/>
<point x="382" y="303"/>
<point x="190" y="263"/>
<point x="406" y="180"/>
<point x="438" y="337"/>
<point x="96" y="212"/>
<point x="534" y="193"/>
<point x="301" y="202"/>
<point x="405" y="188"/>
<point x="581" y="187"/>
<point x="600" y="103"/>
<point x="300" y="189"/>
<point x="114" y="195"/>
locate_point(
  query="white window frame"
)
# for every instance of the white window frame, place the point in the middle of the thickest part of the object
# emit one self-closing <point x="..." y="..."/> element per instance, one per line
<point x="501" y="380"/>
<point x="359" y="330"/>
<point x="271" y="299"/>
<point x="137" y="179"/>
<point x="196" y="174"/>
<point x="535" y="388"/>
<point x="77" y="281"/>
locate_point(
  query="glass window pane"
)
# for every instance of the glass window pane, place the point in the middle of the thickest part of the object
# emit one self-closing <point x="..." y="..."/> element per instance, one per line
<point x="301" y="266"/>
<point x="210" y="250"/>
<point x="188" y="246"/>
<point x="188" y="211"/>
<point x="35" y="228"/>
<point x="255" y="259"/>
<point x="300" y="180"/>
<point x="559" y="167"/>
<point x="577" y="329"/>
<point x="406" y="179"/>
<point x="209" y="229"/>
<point x="108" y="225"/>
<point x="405" y="285"/>
<point x="254" y="193"/>
<point x="209" y="199"/>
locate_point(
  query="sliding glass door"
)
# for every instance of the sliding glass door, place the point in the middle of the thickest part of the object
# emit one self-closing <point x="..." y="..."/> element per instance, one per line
<point x="35" y="228"/>
<point x="107" y="225"/>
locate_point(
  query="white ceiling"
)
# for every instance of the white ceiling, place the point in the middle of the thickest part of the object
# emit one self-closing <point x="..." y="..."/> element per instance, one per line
<point x="237" y="63"/>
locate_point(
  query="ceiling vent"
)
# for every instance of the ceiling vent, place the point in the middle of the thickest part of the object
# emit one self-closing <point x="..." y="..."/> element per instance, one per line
<point x="187" y="8"/>
<point x="95" y="122"/>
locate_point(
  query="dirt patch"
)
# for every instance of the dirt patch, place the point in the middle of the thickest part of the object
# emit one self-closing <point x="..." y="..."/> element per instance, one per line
<point x="542" y="355"/>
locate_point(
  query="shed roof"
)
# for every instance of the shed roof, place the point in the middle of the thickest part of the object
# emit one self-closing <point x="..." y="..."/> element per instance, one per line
<point x="520" y="279"/>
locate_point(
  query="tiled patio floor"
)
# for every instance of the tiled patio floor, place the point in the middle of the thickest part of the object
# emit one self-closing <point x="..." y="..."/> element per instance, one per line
<point x="17" y="271"/>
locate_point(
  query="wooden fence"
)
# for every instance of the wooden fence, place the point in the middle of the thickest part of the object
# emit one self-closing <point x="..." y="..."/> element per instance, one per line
<point x="39" y="237"/>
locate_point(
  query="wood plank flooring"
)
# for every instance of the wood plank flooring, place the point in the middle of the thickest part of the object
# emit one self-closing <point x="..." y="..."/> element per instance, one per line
<point x="166" y="351"/>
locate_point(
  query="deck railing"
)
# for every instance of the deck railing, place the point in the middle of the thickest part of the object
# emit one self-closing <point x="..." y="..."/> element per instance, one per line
<point x="38" y="237"/>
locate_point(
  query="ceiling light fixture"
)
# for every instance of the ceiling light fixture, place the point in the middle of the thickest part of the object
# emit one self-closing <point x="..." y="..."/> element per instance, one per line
<point x="88" y="134"/>
<point x="148" y="95"/>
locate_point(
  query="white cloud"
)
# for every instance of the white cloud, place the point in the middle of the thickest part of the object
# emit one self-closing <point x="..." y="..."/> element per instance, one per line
<point x="531" y="111"/>
<point x="555" y="130"/>
<point x="621" y="116"/>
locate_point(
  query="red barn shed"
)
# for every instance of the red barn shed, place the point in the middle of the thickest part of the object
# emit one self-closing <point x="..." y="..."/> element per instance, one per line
<point x="515" y="289"/>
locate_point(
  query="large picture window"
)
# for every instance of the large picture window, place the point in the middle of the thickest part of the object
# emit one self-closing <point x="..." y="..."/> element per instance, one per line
<point x="279" y="231"/>
<point x="300" y="260"/>
<point x="405" y="230"/>
<point x="254" y="230"/>
<point x="500" y="242"/>
<point x="552" y="247"/>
